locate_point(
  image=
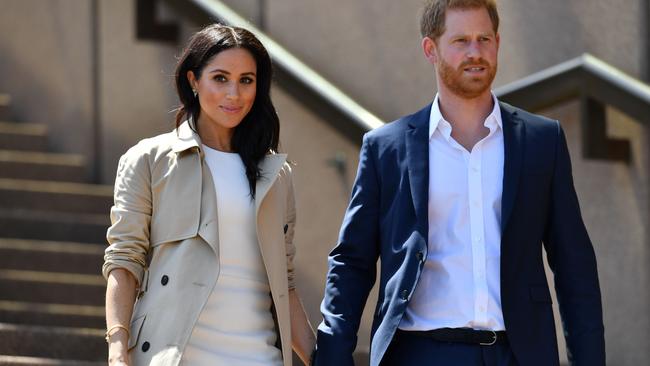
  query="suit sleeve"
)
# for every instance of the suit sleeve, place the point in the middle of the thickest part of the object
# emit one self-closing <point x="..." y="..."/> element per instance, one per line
<point x="352" y="267"/>
<point x="571" y="257"/>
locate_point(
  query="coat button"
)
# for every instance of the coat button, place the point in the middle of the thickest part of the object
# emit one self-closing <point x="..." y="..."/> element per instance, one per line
<point x="405" y="294"/>
<point x="164" y="280"/>
<point x="286" y="227"/>
<point x="419" y="256"/>
<point x="145" y="346"/>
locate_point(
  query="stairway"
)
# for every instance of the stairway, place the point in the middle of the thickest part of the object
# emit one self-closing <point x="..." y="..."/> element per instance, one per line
<point x="52" y="230"/>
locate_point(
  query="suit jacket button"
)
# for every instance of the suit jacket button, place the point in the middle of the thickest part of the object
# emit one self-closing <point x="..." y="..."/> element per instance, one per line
<point x="164" y="280"/>
<point x="420" y="256"/>
<point x="405" y="294"/>
<point x="286" y="227"/>
<point x="145" y="346"/>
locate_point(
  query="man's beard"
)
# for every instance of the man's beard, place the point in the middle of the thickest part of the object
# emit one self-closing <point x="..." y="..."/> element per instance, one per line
<point x="466" y="86"/>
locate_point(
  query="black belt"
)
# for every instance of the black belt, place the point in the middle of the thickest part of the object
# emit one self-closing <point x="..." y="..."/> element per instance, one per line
<point x="460" y="335"/>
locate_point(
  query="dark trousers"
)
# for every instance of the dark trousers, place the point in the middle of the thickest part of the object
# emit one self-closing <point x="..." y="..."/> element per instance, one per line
<point x="415" y="350"/>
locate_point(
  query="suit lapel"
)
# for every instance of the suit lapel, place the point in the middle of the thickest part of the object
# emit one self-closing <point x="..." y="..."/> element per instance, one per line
<point x="417" y="157"/>
<point x="513" y="137"/>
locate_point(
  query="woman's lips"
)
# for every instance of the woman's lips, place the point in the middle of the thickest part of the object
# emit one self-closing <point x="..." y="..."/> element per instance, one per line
<point x="231" y="110"/>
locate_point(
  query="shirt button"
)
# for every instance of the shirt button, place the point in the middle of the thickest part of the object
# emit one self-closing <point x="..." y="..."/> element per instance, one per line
<point x="164" y="280"/>
<point x="405" y="294"/>
<point x="286" y="227"/>
<point x="145" y="346"/>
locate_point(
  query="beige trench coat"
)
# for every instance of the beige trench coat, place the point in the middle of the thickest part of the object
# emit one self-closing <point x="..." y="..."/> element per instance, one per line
<point x="164" y="232"/>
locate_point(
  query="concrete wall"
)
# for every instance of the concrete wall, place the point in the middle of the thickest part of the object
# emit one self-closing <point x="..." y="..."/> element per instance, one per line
<point x="45" y="64"/>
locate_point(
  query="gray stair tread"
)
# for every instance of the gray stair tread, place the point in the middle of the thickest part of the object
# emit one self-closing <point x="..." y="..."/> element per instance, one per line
<point x="56" y="187"/>
<point x="52" y="287"/>
<point x="45" y="314"/>
<point x="37" y="361"/>
<point x="22" y="128"/>
<point x="53" y="225"/>
<point x="51" y="246"/>
<point x="59" y="309"/>
<point x="20" y="194"/>
<point x="42" y="255"/>
<point x="60" y="217"/>
<point x="52" y="342"/>
<point x="52" y="277"/>
<point x="42" y="158"/>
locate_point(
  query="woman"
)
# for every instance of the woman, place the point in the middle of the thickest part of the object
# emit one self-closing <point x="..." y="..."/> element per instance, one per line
<point x="202" y="226"/>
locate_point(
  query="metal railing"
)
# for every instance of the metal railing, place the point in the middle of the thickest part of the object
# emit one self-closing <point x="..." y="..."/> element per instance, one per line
<point x="597" y="85"/>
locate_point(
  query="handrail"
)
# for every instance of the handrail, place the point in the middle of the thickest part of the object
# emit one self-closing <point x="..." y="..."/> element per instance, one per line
<point x="296" y="68"/>
<point x="596" y="84"/>
<point x="585" y="76"/>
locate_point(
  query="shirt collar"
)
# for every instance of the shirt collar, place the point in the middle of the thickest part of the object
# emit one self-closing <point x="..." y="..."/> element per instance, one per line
<point x="437" y="121"/>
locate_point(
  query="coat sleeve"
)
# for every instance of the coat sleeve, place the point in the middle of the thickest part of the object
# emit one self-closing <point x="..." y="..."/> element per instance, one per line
<point x="289" y="227"/>
<point x="128" y="235"/>
<point x="573" y="261"/>
<point x="352" y="267"/>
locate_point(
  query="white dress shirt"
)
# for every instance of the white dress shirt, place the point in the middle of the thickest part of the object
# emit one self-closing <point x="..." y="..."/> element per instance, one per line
<point x="459" y="286"/>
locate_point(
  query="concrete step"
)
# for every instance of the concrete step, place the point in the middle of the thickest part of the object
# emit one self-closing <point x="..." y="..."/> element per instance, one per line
<point x="23" y="136"/>
<point x="49" y="256"/>
<point x="51" y="287"/>
<point x="55" y="196"/>
<point x="5" y="102"/>
<point x="53" y="342"/>
<point x="55" y="226"/>
<point x="61" y="315"/>
<point x="40" y="361"/>
<point x="42" y="166"/>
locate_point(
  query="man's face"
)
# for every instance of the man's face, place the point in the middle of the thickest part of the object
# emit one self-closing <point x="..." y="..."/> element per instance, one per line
<point x="465" y="55"/>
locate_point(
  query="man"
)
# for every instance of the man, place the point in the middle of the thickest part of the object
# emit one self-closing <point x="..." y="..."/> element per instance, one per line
<point x="457" y="200"/>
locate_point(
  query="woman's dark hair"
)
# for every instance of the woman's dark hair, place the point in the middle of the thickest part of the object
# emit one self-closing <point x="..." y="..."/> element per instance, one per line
<point x="259" y="131"/>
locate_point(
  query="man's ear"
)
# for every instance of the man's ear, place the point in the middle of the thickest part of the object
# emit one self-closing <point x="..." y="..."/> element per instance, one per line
<point x="429" y="48"/>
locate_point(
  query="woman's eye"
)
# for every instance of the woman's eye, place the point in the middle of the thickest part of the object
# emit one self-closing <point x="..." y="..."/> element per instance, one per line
<point x="247" y="80"/>
<point x="220" y="78"/>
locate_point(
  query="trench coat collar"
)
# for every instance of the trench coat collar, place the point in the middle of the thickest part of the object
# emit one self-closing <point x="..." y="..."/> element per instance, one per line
<point x="186" y="138"/>
<point x="270" y="166"/>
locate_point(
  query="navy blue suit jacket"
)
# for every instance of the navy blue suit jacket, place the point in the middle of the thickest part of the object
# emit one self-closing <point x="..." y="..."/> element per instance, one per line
<point x="387" y="219"/>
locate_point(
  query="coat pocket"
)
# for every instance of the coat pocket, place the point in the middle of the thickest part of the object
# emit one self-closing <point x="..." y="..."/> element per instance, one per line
<point x="136" y="327"/>
<point x="540" y="294"/>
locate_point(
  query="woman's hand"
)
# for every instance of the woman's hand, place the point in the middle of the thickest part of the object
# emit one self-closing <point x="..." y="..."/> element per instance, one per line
<point x="303" y="338"/>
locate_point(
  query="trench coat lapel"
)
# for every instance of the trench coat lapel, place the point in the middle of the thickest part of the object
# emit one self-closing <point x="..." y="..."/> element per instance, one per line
<point x="270" y="167"/>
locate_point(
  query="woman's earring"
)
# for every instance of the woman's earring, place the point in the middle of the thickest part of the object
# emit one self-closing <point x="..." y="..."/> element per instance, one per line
<point x="195" y="93"/>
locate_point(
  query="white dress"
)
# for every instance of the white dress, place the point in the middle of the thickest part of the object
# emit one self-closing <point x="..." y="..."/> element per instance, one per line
<point x="236" y="327"/>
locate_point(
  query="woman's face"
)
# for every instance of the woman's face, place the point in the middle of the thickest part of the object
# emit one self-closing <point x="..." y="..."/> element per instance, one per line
<point x="227" y="87"/>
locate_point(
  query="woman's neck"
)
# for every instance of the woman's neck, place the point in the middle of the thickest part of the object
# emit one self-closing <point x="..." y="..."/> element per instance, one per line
<point x="215" y="136"/>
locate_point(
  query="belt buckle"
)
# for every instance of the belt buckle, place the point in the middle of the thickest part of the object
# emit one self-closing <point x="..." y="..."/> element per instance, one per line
<point x="494" y="339"/>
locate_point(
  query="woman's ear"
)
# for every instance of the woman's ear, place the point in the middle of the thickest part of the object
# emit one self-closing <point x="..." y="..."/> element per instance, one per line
<point x="192" y="79"/>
